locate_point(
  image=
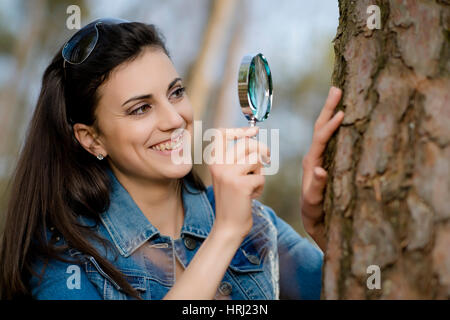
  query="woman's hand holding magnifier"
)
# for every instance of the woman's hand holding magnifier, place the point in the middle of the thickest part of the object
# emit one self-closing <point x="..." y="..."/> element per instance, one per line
<point x="236" y="177"/>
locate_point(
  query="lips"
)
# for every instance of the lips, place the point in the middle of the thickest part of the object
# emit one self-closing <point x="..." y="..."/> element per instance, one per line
<point x="166" y="141"/>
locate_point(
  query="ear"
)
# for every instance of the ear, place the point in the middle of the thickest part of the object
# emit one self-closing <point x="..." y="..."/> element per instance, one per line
<point x="89" y="139"/>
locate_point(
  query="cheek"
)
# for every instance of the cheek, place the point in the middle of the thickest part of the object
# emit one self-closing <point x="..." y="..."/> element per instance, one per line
<point x="129" y="134"/>
<point x="186" y="111"/>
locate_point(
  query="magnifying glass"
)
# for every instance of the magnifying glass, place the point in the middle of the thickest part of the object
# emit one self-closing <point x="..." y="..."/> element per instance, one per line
<point x="255" y="89"/>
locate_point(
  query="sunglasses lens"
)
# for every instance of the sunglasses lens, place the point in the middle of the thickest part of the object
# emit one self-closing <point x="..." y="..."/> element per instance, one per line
<point x="80" y="46"/>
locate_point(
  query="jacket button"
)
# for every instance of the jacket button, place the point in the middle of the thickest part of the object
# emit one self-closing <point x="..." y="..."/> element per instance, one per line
<point x="190" y="243"/>
<point x="253" y="259"/>
<point x="225" y="288"/>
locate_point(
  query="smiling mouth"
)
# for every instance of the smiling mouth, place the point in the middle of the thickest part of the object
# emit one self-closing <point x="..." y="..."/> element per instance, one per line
<point x="169" y="145"/>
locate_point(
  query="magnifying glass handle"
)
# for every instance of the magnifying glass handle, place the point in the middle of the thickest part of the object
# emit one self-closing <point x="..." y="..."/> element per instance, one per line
<point x="252" y="122"/>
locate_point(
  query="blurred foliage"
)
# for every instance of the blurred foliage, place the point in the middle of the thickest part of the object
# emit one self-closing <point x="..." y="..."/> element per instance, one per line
<point x="6" y="39"/>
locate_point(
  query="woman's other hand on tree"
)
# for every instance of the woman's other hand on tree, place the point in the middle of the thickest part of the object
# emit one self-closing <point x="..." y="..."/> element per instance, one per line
<point x="314" y="175"/>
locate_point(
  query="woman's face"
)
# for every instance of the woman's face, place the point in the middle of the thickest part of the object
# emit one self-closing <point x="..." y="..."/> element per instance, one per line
<point x="141" y="105"/>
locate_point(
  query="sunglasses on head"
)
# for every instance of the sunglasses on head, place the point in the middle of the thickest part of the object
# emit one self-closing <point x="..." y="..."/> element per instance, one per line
<point x="81" y="44"/>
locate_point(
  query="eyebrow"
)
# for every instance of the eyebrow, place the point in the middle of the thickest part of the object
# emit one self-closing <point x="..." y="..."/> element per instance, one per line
<point x="148" y="96"/>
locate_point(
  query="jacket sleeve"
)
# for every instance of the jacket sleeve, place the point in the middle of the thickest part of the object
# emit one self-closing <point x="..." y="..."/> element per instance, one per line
<point x="62" y="281"/>
<point x="300" y="263"/>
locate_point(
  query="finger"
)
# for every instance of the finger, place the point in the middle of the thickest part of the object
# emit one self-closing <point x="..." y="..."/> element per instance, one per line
<point x="334" y="95"/>
<point x="306" y="176"/>
<point x="257" y="192"/>
<point x="225" y="134"/>
<point x="252" y="164"/>
<point x="236" y="133"/>
<point x="257" y="169"/>
<point x="308" y="165"/>
<point x="246" y="146"/>
<point x="314" y="193"/>
<point x="256" y="182"/>
<point x="321" y="138"/>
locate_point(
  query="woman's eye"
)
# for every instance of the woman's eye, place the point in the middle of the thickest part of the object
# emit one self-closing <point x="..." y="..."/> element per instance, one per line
<point x="179" y="92"/>
<point x="140" y="110"/>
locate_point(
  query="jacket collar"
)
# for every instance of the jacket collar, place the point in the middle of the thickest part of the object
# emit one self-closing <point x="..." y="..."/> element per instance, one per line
<point x="129" y="228"/>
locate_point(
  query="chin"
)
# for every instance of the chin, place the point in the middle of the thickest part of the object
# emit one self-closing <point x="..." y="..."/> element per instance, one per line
<point x="176" y="171"/>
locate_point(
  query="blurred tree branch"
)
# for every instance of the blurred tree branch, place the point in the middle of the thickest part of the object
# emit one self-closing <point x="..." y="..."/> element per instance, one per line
<point x="200" y="79"/>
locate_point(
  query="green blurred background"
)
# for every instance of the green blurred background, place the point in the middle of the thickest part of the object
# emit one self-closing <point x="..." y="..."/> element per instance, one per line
<point x="206" y="39"/>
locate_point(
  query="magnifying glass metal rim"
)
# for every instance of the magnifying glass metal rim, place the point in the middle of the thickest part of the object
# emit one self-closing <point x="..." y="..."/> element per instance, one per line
<point x="243" y="86"/>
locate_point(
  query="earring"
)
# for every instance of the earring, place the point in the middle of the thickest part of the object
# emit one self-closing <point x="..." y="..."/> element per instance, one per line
<point x="100" y="156"/>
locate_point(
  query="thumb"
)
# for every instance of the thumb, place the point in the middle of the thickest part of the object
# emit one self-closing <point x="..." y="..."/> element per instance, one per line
<point x="315" y="192"/>
<point x="319" y="178"/>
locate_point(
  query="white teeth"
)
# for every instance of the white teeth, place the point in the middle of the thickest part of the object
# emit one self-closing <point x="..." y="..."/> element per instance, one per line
<point x="168" y="145"/>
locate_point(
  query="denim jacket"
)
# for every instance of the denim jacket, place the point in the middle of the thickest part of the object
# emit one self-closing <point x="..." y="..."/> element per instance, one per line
<point x="272" y="262"/>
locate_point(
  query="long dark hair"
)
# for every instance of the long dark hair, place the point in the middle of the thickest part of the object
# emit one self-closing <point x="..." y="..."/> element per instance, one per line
<point x="56" y="180"/>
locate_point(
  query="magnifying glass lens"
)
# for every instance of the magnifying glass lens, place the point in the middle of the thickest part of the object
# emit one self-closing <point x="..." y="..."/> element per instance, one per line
<point x="255" y="88"/>
<point x="259" y="88"/>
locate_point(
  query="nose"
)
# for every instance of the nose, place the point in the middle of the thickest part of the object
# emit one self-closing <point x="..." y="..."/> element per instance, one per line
<point x="169" y="117"/>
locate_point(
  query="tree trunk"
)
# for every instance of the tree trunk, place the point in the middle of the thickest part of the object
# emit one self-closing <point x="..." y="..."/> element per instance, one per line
<point x="386" y="201"/>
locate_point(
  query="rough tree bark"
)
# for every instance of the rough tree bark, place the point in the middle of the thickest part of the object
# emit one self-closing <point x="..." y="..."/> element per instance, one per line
<point x="387" y="199"/>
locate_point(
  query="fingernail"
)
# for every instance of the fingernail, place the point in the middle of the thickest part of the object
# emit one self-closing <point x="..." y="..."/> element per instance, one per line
<point x="335" y="91"/>
<point x="335" y="88"/>
<point x="265" y="161"/>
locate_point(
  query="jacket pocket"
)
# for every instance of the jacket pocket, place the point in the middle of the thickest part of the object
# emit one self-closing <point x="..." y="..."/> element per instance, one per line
<point x="261" y="240"/>
<point x="251" y="268"/>
<point x="255" y="264"/>
<point x="248" y="259"/>
<point x="108" y="288"/>
<point x="139" y="283"/>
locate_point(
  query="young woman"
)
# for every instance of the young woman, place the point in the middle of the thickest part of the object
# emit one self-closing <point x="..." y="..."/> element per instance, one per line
<point x="99" y="211"/>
